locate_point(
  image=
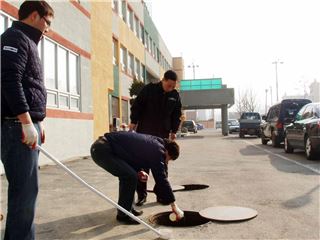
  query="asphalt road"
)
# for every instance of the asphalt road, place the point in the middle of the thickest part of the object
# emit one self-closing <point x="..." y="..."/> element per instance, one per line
<point x="283" y="188"/>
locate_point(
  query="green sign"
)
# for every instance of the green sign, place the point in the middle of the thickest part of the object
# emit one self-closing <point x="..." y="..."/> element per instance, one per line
<point x="200" y="84"/>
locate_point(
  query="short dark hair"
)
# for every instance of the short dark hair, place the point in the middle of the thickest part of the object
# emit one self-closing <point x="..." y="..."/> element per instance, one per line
<point x="170" y="75"/>
<point x="173" y="148"/>
<point x="28" y="7"/>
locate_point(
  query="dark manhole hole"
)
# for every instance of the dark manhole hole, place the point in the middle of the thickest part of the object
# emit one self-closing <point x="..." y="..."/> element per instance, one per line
<point x="190" y="219"/>
<point x="190" y="187"/>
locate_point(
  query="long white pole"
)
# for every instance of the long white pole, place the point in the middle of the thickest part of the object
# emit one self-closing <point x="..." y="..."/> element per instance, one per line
<point x="97" y="191"/>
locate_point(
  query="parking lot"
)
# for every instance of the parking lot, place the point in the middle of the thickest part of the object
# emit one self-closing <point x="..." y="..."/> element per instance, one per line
<point x="283" y="188"/>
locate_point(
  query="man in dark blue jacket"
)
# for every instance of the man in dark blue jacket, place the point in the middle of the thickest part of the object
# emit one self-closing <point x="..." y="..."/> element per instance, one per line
<point x="124" y="154"/>
<point x="156" y="111"/>
<point x="23" y="108"/>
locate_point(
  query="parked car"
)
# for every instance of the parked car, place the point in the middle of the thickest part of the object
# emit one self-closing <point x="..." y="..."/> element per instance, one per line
<point x="182" y="131"/>
<point x="304" y="132"/>
<point x="199" y="126"/>
<point x="280" y="115"/>
<point x="218" y="124"/>
<point x="190" y="125"/>
<point x="233" y="125"/>
<point x="250" y="124"/>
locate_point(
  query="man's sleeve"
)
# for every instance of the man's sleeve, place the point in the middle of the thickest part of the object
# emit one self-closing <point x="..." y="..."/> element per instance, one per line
<point x="175" y="116"/>
<point x="14" y="57"/>
<point x="138" y="106"/>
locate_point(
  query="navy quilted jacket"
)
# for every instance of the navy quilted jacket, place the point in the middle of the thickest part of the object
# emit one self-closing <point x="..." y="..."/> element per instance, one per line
<point x="142" y="151"/>
<point x="22" y="83"/>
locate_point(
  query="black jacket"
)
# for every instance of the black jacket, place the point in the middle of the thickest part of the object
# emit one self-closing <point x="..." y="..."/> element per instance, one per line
<point x="142" y="151"/>
<point x="155" y="111"/>
<point x="22" y="83"/>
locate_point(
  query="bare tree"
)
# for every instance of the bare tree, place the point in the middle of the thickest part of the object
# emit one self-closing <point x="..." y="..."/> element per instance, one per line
<point x="246" y="101"/>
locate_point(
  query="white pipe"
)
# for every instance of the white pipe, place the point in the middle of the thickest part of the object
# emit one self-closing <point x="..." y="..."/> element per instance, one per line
<point x="164" y="234"/>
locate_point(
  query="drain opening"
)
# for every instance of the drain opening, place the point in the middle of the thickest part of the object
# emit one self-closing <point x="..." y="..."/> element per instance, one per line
<point x="190" y="187"/>
<point x="190" y="219"/>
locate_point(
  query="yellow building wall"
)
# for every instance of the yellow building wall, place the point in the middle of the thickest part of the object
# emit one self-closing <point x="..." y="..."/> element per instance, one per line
<point x="101" y="63"/>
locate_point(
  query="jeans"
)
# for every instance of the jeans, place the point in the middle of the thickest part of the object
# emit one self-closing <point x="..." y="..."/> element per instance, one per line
<point x="103" y="156"/>
<point x="21" y="168"/>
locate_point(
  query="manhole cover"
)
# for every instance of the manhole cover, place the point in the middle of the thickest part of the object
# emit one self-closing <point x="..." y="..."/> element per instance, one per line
<point x="174" y="188"/>
<point x="228" y="213"/>
<point x="190" y="219"/>
<point x="190" y="187"/>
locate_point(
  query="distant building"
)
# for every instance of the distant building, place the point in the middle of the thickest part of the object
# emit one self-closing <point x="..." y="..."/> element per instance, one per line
<point x="315" y="91"/>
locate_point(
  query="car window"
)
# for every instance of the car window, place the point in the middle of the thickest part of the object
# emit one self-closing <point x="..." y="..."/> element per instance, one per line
<point x="308" y="113"/>
<point x="251" y="116"/>
<point x="300" y="113"/>
<point x="316" y="111"/>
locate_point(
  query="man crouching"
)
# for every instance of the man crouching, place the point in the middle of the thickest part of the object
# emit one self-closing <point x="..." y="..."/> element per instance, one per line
<point x="124" y="154"/>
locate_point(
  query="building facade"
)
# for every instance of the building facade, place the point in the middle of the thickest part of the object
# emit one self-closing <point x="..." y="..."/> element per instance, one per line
<point x="91" y="56"/>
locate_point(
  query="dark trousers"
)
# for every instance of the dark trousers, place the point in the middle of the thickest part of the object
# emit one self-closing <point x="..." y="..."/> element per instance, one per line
<point x="103" y="156"/>
<point x="21" y="168"/>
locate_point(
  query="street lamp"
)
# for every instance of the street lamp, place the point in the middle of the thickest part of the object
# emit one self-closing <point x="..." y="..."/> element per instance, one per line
<point x="193" y="68"/>
<point x="276" y="64"/>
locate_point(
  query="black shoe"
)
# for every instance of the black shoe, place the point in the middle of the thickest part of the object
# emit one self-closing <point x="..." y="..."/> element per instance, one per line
<point x="136" y="212"/>
<point x="127" y="220"/>
<point x="141" y="201"/>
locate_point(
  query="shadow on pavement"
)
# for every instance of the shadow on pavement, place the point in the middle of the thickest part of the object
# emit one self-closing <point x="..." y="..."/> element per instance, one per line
<point x="82" y="227"/>
<point x="300" y="201"/>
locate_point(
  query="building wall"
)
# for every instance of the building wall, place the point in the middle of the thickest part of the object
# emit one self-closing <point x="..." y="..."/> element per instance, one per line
<point x="101" y="63"/>
<point x="69" y="132"/>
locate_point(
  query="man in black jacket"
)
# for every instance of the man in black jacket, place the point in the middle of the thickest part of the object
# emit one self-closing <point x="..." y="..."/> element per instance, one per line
<point x="23" y="108"/>
<point x="156" y="111"/>
<point x="124" y="154"/>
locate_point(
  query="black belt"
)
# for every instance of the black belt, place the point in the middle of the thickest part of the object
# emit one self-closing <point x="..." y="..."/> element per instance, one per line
<point x="14" y="119"/>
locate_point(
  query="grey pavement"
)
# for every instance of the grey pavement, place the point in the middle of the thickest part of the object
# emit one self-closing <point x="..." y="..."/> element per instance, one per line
<point x="239" y="173"/>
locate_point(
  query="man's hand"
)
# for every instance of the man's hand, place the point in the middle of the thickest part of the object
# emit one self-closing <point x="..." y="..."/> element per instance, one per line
<point x="173" y="136"/>
<point x="177" y="211"/>
<point x="143" y="176"/>
<point x="29" y="135"/>
<point x="42" y="132"/>
<point x="132" y="127"/>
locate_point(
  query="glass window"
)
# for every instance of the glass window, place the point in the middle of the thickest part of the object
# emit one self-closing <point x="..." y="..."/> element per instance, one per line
<point x="49" y="64"/>
<point x="115" y="52"/>
<point x="62" y="70"/>
<point x="142" y="34"/>
<point x="131" y="64"/>
<point x="143" y="72"/>
<point x="125" y="111"/>
<point x="73" y="74"/>
<point x="124" y="10"/>
<point x="123" y="58"/>
<point x="146" y="40"/>
<point x="115" y="107"/>
<point x="137" y="69"/>
<point x="130" y="19"/>
<point x="63" y="101"/>
<point x="137" y="27"/>
<point x="2" y="23"/>
<point x="115" y="5"/>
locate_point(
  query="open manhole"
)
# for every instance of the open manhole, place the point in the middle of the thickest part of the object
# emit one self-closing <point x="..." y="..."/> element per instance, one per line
<point x="191" y="187"/>
<point x="190" y="219"/>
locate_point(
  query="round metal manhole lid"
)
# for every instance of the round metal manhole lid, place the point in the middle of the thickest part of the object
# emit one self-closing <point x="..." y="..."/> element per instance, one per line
<point x="228" y="213"/>
<point x="174" y="188"/>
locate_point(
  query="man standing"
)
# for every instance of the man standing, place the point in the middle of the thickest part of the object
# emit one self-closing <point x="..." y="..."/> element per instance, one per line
<point x="123" y="154"/>
<point x="156" y="111"/>
<point x="23" y="108"/>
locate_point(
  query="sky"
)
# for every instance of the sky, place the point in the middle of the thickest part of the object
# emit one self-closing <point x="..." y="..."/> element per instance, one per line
<point x="238" y="40"/>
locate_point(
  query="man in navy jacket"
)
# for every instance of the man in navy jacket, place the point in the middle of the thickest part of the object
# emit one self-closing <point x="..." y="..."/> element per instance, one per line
<point x="23" y="108"/>
<point x="124" y="154"/>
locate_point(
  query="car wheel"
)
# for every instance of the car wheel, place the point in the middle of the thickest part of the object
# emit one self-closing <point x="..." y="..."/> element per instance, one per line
<point x="241" y="135"/>
<point x="310" y="152"/>
<point x="287" y="147"/>
<point x="275" y="141"/>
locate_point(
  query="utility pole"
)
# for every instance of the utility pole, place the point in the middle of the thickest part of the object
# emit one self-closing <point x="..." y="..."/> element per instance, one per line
<point x="277" y="90"/>
<point x="193" y="68"/>
<point x="271" y="95"/>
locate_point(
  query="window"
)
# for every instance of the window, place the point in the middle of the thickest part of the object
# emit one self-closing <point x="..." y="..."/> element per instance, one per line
<point x="115" y="52"/>
<point x="124" y="10"/>
<point x="125" y="111"/>
<point x="142" y="34"/>
<point x="49" y="64"/>
<point x="61" y="71"/>
<point x="123" y="59"/>
<point x="115" y="5"/>
<point x="130" y="19"/>
<point x="5" y="21"/>
<point x="137" y="27"/>
<point x="146" y="40"/>
<point x="131" y="64"/>
<point x="115" y="107"/>
<point x="143" y="73"/>
<point x="137" y="69"/>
